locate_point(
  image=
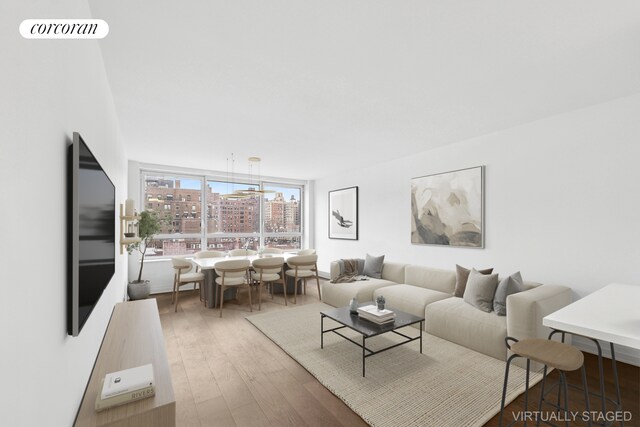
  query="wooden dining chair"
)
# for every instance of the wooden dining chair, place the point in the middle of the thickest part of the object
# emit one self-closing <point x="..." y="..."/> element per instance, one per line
<point x="233" y="273"/>
<point x="182" y="276"/>
<point x="303" y="267"/>
<point x="268" y="271"/>
<point x="207" y="254"/>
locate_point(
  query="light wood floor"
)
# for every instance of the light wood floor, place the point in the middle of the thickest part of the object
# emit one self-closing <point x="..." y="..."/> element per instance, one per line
<point x="227" y="373"/>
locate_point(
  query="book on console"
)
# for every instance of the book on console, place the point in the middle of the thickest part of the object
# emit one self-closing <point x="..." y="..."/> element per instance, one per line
<point x="127" y="380"/>
<point x="123" y="398"/>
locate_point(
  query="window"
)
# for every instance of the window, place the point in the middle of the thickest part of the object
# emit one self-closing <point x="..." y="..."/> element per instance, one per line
<point x="219" y="221"/>
<point x="282" y="216"/>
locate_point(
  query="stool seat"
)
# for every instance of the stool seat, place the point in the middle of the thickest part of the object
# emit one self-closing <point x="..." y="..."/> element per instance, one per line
<point x="554" y="354"/>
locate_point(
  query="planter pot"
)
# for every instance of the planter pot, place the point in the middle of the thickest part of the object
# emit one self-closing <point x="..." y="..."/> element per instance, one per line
<point x="139" y="290"/>
<point x="380" y="306"/>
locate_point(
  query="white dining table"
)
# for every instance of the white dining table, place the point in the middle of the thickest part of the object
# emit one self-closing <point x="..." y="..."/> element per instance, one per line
<point x="610" y="314"/>
<point x="208" y="266"/>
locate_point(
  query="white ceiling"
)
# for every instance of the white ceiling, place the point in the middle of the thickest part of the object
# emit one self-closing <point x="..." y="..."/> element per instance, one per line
<point x="314" y="87"/>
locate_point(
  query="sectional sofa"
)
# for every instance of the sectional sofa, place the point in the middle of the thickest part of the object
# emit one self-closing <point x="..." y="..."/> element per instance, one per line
<point x="429" y="292"/>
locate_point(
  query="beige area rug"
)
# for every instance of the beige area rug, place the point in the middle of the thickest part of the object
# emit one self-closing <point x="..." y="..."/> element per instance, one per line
<point x="447" y="385"/>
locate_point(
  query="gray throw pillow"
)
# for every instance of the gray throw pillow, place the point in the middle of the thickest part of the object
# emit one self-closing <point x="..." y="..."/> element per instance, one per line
<point x="373" y="266"/>
<point x="462" y="275"/>
<point x="480" y="290"/>
<point x="507" y="286"/>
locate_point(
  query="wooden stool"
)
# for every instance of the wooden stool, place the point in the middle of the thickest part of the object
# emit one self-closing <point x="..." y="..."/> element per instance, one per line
<point x="552" y="354"/>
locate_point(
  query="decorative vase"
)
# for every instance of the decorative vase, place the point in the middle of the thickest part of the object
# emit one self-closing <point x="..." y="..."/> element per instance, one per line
<point x="353" y="306"/>
<point x="139" y="290"/>
<point x="380" y="306"/>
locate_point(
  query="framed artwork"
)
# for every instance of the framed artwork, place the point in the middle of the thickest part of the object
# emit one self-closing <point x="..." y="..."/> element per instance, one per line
<point x="447" y="209"/>
<point x="343" y="213"/>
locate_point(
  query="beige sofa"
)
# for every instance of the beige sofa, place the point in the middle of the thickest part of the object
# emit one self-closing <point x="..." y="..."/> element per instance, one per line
<point x="429" y="292"/>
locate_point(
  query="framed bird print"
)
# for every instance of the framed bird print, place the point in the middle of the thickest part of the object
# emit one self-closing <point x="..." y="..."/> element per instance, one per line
<point x="343" y="214"/>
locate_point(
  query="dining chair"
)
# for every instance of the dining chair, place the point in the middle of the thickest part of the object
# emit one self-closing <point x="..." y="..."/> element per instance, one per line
<point x="209" y="254"/>
<point x="242" y="252"/>
<point x="307" y="252"/>
<point x="182" y="276"/>
<point x="303" y="267"/>
<point x="233" y="273"/>
<point x="268" y="271"/>
<point x="272" y="251"/>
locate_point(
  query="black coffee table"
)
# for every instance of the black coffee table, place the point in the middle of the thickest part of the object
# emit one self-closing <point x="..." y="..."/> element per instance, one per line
<point x="369" y="329"/>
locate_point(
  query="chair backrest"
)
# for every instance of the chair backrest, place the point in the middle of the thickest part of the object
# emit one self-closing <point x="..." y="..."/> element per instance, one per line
<point x="233" y="267"/>
<point x="268" y="265"/>
<point x="181" y="264"/>
<point x="272" y="251"/>
<point x="303" y="262"/>
<point x="307" y="252"/>
<point x="242" y="252"/>
<point x="209" y="254"/>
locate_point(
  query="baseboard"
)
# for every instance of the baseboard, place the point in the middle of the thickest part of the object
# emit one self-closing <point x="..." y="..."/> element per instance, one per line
<point x="623" y="354"/>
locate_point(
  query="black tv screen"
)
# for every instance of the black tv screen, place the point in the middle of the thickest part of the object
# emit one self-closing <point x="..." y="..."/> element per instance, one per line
<point x="91" y="243"/>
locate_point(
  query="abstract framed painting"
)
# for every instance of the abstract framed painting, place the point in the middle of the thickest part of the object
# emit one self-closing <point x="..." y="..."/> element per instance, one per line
<point x="343" y="213"/>
<point x="447" y="209"/>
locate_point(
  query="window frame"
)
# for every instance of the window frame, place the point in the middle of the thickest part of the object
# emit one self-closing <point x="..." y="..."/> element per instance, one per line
<point x="260" y="236"/>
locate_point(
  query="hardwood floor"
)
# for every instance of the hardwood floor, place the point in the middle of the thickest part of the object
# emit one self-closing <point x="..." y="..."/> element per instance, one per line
<point x="227" y="373"/>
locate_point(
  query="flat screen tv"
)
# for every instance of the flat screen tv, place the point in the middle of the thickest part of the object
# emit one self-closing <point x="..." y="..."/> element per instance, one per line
<point x="91" y="246"/>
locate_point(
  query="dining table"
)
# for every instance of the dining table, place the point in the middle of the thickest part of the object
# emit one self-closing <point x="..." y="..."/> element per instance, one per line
<point x="208" y="265"/>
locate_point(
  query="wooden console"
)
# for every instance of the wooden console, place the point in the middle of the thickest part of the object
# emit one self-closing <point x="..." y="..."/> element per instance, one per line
<point x="133" y="338"/>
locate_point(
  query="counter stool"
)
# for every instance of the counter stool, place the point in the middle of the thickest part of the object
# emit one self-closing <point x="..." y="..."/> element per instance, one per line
<point x="552" y="354"/>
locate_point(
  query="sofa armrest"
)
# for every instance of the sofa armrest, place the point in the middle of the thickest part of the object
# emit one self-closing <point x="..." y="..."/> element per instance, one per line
<point x="525" y="310"/>
<point x="334" y="270"/>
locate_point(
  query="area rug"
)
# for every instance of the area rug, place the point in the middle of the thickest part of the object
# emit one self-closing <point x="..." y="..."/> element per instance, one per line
<point x="447" y="385"/>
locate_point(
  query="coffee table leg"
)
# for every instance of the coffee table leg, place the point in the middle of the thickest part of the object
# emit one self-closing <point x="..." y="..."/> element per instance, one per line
<point x="421" y="326"/>
<point x="363" y="359"/>
<point x="321" y="330"/>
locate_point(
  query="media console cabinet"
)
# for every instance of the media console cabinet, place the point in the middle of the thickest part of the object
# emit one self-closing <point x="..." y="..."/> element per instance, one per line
<point x="133" y="338"/>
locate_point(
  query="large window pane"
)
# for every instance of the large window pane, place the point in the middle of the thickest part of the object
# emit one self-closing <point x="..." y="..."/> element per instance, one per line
<point x="172" y="247"/>
<point x="282" y="209"/>
<point x="176" y="200"/>
<point x="230" y="243"/>
<point x="283" y="242"/>
<point x="231" y="215"/>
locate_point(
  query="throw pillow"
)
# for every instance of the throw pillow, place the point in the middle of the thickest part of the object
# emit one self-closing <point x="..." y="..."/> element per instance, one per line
<point x="462" y="275"/>
<point x="480" y="290"/>
<point x="373" y="266"/>
<point x="507" y="286"/>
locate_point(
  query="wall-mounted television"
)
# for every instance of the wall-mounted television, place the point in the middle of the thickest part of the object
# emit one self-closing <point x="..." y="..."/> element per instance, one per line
<point x="91" y="243"/>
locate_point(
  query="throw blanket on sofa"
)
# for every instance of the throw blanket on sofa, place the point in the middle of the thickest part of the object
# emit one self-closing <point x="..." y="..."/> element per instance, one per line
<point x="348" y="271"/>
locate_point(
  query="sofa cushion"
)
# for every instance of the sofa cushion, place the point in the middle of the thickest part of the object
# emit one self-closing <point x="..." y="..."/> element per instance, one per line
<point x="373" y="266"/>
<point x="340" y="294"/>
<point x="480" y="290"/>
<point x="412" y="299"/>
<point x="430" y="278"/>
<point x="393" y="271"/>
<point x="507" y="286"/>
<point x="462" y="275"/>
<point x="454" y="320"/>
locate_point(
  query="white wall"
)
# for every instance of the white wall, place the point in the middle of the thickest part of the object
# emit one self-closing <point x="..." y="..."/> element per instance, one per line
<point x="49" y="89"/>
<point x="562" y="200"/>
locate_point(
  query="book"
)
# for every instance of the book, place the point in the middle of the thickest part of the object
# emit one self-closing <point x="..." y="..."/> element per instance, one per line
<point x="372" y="310"/>
<point x="123" y="398"/>
<point x="376" y="320"/>
<point x="127" y="380"/>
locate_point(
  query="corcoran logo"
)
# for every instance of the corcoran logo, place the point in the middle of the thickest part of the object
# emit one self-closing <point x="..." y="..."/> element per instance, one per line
<point x="64" y="29"/>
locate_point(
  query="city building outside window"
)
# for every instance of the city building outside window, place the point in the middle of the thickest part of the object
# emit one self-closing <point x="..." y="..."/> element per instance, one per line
<point x="219" y="222"/>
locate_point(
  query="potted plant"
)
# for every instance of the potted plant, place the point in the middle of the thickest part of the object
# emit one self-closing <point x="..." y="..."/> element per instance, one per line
<point x="148" y="227"/>
<point x="380" y="301"/>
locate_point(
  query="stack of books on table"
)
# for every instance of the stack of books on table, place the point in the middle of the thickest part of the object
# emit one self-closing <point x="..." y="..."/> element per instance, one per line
<point x="371" y="313"/>
<point x="126" y="386"/>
